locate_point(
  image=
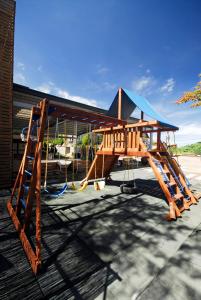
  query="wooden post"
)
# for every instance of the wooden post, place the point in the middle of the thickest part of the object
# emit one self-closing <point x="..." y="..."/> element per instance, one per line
<point x="120" y="104"/>
<point x="151" y="140"/>
<point x="158" y="140"/>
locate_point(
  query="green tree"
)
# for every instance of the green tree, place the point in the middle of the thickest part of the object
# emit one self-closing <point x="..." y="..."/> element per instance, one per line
<point x="86" y="139"/>
<point x="192" y="96"/>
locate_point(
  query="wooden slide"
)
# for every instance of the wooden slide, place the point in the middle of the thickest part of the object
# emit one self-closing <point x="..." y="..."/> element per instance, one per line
<point x="101" y="166"/>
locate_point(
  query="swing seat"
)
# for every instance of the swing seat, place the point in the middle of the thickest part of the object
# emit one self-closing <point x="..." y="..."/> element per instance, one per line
<point x="73" y="186"/>
<point x="96" y="186"/>
<point x="83" y="187"/>
<point x="99" y="185"/>
<point x="57" y="194"/>
<point x="128" y="189"/>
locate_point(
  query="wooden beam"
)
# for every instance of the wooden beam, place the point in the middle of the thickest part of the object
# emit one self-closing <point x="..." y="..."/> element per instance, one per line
<point x="83" y="116"/>
<point x="133" y="125"/>
<point x="120" y="104"/>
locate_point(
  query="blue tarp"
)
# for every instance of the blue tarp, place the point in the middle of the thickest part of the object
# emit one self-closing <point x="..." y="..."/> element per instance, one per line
<point x="130" y="101"/>
<point x="147" y="108"/>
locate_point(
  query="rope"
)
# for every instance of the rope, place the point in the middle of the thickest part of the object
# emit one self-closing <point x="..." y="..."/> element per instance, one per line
<point x="65" y="143"/>
<point x="85" y="184"/>
<point x="87" y="151"/>
<point x="56" y="136"/>
<point x="60" y="192"/>
<point x="76" y="130"/>
<point x="103" y="163"/>
<point x="73" y="187"/>
<point x="47" y="152"/>
<point x="95" y="171"/>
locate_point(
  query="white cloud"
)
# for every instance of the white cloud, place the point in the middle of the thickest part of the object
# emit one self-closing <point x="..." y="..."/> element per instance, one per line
<point x="182" y="114"/>
<point x="109" y="86"/>
<point x="147" y="84"/>
<point x="144" y="84"/>
<point x="19" y="78"/>
<point x="39" y="68"/>
<point x="168" y="86"/>
<point x="188" y="133"/>
<point x="47" y="88"/>
<point x="51" y="88"/>
<point x="189" y="129"/>
<point x="101" y="70"/>
<point x="21" y="66"/>
<point x="100" y="86"/>
<point x="65" y="94"/>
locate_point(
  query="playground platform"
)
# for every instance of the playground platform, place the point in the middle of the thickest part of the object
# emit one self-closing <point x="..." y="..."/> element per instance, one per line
<point x="107" y="245"/>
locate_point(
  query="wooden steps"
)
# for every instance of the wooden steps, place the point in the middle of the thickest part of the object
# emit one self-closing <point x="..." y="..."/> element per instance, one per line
<point x="172" y="182"/>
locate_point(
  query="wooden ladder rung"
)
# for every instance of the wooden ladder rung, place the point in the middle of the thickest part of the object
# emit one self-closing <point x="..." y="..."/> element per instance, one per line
<point x="172" y="184"/>
<point x="178" y="196"/>
<point x="166" y="171"/>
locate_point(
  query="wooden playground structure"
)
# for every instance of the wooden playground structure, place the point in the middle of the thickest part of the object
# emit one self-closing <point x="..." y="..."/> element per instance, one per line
<point x="119" y="138"/>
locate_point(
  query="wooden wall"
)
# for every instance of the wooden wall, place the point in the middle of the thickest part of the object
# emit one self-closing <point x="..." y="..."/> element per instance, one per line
<point x="7" y="17"/>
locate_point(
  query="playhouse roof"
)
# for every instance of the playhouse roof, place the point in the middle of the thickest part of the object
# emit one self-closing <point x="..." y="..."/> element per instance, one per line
<point x="144" y="105"/>
<point x="129" y="102"/>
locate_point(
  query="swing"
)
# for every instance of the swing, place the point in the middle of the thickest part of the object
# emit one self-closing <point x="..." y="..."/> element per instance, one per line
<point x="73" y="186"/>
<point x="85" y="184"/>
<point x="99" y="184"/>
<point x="128" y="188"/>
<point x="32" y="136"/>
<point x="64" y="188"/>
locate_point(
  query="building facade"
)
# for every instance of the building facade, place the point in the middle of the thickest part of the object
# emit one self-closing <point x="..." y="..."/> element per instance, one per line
<point x="7" y="19"/>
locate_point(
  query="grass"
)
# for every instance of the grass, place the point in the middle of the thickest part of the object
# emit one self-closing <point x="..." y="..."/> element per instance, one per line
<point x="188" y="149"/>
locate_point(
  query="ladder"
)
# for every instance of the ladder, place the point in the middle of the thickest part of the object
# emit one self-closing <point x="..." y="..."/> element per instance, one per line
<point x="28" y="188"/>
<point x="172" y="182"/>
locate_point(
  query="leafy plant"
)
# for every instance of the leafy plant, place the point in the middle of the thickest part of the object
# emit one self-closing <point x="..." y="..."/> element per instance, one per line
<point x="86" y="140"/>
<point x="58" y="141"/>
<point x="192" y="96"/>
<point x="188" y="149"/>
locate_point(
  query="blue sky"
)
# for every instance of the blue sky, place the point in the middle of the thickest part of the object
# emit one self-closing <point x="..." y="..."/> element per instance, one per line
<point x="85" y="50"/>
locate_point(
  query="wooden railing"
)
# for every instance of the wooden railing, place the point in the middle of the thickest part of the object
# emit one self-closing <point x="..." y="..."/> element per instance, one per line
<point x="126" y="141"/>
